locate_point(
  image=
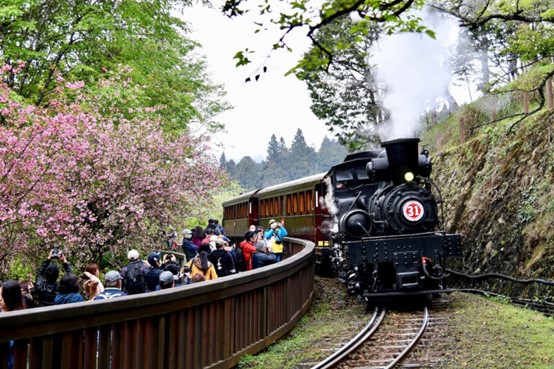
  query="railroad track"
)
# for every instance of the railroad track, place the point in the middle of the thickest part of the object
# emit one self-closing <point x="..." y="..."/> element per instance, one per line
<point x="544" y="307"/>
<point x="382" y="343"/>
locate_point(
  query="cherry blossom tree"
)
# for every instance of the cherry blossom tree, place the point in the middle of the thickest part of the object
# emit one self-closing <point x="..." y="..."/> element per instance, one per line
<point x="95" y="173"/>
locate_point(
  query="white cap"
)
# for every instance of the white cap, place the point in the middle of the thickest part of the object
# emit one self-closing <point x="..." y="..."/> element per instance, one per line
<point x="133" y="255"/>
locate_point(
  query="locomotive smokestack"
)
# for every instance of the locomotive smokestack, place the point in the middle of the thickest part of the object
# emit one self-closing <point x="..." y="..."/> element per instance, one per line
<point x="402" y="156"/>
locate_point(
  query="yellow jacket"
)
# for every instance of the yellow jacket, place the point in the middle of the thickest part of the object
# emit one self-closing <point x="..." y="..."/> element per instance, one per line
<point x="195" y="268"/>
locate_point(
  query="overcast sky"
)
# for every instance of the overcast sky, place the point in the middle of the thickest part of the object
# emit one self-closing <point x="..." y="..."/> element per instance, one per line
<point x="279" y="104"/>
<point x="275" y="104"/>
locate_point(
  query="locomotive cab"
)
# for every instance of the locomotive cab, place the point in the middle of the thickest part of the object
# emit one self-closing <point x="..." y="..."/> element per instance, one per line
<point x="352" y="188"/>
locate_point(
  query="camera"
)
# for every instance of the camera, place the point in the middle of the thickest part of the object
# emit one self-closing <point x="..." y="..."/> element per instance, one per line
<point x="56" y="252"/>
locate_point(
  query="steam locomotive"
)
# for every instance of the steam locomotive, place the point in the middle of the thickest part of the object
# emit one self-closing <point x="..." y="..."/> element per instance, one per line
<point x="374" y="220"/>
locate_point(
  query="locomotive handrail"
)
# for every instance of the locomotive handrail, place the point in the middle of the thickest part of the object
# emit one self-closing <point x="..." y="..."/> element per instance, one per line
<point x="205" y="325"/>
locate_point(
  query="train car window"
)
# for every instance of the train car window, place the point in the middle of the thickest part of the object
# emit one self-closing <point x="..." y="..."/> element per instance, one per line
<point x="295" y="203"/>
<point x="301" y="203"/>
<point x="308" y="201"/>
<point x="289" y="204"/>
<point x="361" y="173"/>
<point x="276" y="209"/>
<point x="262" y="208"/>
<point x="343" y="178"/>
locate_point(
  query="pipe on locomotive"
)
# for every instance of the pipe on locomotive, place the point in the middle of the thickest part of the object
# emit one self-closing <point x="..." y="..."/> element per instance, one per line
<point x="402" y="163"/>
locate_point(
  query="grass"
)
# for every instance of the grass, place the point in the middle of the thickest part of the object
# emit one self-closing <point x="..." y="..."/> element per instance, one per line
<point x="323" y="324"/>
<point x="487" y="333"/>
<point x="483" y="333"/>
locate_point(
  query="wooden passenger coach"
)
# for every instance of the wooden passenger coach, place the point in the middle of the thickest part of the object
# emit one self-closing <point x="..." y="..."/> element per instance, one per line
<point x="239" y="213"/>
<point x="298" y="205"/>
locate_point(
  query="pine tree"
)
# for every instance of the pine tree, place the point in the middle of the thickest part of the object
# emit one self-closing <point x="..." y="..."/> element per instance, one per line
<point x="273" y="149"/>
<point x="248" y="173"/>
<point x="330" y="153"/>
<point x="302" y="159"/>
<point x="222" y="161"/>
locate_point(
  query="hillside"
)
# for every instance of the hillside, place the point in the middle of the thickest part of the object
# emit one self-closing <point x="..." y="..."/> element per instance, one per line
<point x="499" y="191"/>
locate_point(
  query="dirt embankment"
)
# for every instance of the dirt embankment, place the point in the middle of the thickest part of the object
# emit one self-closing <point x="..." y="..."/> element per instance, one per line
<point x="499" y="193"/>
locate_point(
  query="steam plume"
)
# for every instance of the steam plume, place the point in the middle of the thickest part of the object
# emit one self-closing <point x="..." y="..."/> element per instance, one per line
<point x="414" y="69"/>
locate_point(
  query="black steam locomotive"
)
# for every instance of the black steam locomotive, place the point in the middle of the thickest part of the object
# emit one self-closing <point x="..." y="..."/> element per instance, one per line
<point x="385" y="242"/>
<point x="373" y="219"/>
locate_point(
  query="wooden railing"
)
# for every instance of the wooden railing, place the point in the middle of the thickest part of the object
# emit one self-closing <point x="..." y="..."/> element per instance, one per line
<point x="205" y="325"/>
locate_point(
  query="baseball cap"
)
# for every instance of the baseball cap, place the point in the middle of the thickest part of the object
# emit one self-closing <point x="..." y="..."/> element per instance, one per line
<point x="112" y="276"/>
<point x="154" y="257"/>
<point x="166" y="278"/>
<point x="187" y="231"/>
<point x="133" y="255"/>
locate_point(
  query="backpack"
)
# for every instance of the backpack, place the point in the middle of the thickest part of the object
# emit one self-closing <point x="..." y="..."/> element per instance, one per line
<point x="240" y="263"/>
<point x="134" y="279"/>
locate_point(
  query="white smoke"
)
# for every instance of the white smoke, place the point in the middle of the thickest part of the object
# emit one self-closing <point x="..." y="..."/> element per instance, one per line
<point x="329" y="203"/>
<point x="414" y="69"/>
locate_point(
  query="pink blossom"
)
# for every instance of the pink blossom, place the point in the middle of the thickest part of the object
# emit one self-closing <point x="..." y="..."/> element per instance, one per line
<point x="75" y="85"/>
<point x="69" y="174"/>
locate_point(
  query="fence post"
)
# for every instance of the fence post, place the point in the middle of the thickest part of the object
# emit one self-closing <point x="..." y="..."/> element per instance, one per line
<point x="549" y="96"/>
<point x="526" y="102"/>
<point x="462" y="125"/>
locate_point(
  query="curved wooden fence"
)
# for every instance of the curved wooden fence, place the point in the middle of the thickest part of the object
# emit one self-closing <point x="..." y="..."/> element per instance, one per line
<point x="205" y="325"/>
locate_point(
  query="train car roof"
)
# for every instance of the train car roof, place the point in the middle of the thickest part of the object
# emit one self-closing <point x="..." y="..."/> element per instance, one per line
<point x="359" y="157"/>
<point x="298" y="183"/>
<point x="363" y="155"/>
<point x="243" y="197"/>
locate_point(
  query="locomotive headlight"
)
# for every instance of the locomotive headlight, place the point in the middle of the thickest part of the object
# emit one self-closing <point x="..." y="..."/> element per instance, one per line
<point x="409" y="176"/>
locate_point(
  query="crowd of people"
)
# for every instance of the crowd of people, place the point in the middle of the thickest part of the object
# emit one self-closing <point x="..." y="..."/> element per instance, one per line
<point x="208" y="256"/>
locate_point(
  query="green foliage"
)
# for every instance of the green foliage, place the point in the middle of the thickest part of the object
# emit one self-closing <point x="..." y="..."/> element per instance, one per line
<point x="528" y="206"/>
<point x="532" y="43"/>
<point x="85" y="40"/>
<point x="20" y="270"/>
<point x="342" y="86"/>
<point x="242" y="58"/>
<point x="298" y="14"/>
<point x="531" y="79"/>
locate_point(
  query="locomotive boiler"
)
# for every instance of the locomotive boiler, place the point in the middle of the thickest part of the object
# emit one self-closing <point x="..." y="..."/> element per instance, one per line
<point x="385" y="238"/>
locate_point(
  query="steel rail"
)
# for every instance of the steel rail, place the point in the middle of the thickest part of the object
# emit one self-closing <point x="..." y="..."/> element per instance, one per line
<point x="403" y="354"/>
<point x="360" y="338"/>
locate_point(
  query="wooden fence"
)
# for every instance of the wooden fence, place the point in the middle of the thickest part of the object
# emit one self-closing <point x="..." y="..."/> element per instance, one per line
<point x="205" y="325"/>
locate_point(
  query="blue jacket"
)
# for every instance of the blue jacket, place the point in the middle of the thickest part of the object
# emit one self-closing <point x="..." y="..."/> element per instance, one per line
<point x="109" y="293"/>
<point x="279" y="233"/>
<point x="189" y="249"/>
<point x="68" y="298"/>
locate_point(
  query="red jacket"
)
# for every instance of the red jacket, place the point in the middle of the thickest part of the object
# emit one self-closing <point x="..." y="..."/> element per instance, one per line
<point x="248" y="249"/>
